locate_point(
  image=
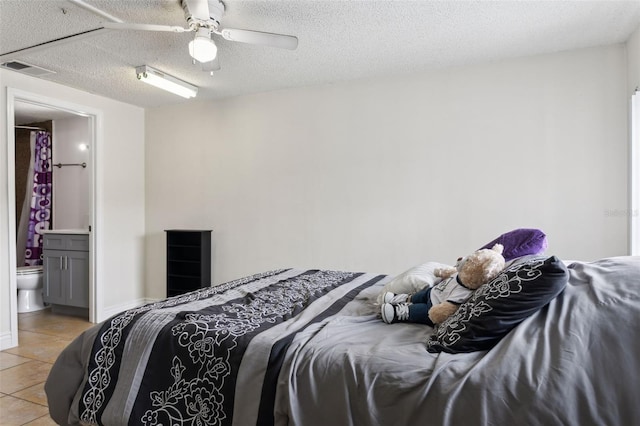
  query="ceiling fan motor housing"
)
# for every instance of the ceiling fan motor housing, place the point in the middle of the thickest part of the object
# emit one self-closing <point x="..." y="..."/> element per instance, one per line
<point x="196" y="15"/>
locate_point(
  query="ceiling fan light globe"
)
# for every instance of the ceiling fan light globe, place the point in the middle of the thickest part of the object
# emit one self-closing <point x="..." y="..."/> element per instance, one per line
<point x="203" y="49"/>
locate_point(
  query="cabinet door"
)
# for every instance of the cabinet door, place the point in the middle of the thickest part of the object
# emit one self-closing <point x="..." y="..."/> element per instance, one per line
<point x="77" y="276"/>
<point x="53" y="277"/>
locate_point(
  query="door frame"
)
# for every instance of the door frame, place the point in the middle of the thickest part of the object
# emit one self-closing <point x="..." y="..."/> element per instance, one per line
<point x="634" y="175"/>
<point x="95" y="118"/>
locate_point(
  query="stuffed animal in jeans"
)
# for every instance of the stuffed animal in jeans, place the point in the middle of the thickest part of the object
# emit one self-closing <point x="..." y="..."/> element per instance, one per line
<point x="433" y="305"/>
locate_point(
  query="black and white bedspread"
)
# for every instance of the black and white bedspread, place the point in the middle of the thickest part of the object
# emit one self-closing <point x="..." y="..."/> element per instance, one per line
<point x="306" y="348"/>
<point x="180" y="361"/>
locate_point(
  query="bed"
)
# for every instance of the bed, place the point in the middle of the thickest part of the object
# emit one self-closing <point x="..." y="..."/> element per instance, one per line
<point x="306" y="347"/>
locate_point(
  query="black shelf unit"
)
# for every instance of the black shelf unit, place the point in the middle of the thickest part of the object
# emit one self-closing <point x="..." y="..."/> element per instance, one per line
<point x="188" y="260"/>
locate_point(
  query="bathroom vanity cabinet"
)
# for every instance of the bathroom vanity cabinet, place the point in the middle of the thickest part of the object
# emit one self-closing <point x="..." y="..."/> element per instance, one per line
<point x="66" y="270"/>
<point x="188" y="260"/>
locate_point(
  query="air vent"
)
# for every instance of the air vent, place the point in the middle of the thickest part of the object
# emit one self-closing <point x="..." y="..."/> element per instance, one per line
<point x="25" y="68"/>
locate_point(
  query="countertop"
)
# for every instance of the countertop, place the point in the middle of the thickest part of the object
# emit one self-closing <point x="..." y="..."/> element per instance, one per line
<point x="67" y="231"/>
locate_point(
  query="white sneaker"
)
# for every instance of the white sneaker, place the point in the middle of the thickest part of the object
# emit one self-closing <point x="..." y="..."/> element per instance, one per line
<point x="394" y="313"/>
<point x="395" y="298"/>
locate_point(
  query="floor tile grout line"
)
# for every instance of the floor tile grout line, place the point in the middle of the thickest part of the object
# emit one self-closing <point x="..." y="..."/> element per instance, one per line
<point x="44" y="333"/>
<point x="16" y="365"/>
<point x="34" y="384"/>
<point x="23" y="399"/>
<point x="38" y="418"/>
<point x="26" y="362"/>
<point x="58" y="336"/>
<point x="20" y="390"/>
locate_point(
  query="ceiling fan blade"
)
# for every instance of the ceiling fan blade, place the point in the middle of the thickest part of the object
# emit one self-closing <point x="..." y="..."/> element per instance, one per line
<point x="199" y="9"/>
<point x="256" y="37"/>
<point x="211" y="65"/>
<point x="9" y="56"/>
<point x="95" y="10"/>
<point x="145" y="27"/>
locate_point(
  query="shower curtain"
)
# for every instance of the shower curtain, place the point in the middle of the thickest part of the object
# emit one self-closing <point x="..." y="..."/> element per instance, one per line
<point x="23" y="224"/>
<point x="39" y="197"/>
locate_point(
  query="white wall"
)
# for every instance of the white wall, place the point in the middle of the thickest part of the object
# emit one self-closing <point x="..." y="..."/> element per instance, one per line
<point x="120" y="193"/>
<point x="382" y="175"/>
<point x="71" y="196"/>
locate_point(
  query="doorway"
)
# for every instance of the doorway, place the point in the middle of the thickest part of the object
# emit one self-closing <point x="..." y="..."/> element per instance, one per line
<point x="23" y="107"/>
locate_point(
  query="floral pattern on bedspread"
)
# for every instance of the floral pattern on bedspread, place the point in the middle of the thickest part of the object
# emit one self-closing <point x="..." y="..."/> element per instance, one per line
<point x="189" y="376"/>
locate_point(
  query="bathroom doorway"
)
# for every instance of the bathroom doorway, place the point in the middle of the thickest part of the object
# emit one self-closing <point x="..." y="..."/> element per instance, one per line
<point x="69" y="121"/>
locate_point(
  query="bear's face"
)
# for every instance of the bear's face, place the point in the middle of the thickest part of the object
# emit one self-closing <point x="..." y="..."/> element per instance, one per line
<point x="479" y="267"/>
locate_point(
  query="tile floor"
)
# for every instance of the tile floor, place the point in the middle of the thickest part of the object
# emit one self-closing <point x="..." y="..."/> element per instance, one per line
<point x="24" y="369"/>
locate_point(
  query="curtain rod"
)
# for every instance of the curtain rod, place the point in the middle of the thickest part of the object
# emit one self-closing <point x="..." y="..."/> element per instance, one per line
<point x="30" y="128"/>
<point x="60" y="165"/>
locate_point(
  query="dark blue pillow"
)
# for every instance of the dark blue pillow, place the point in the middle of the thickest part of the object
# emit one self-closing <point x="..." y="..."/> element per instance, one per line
<point x="498" y="306"/>
<point x="520" y="242"/>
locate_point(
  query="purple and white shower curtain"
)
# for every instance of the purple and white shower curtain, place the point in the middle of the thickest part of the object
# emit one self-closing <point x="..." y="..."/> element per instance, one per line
<point x="41" y="199"/>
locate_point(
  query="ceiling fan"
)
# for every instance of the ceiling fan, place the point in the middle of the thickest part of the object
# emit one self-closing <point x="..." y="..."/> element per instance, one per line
<point x="203" y="18"/>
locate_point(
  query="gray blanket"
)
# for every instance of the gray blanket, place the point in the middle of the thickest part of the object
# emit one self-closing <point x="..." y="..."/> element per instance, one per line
<point x="575" y="362"/>
<point x="334" y="362"/>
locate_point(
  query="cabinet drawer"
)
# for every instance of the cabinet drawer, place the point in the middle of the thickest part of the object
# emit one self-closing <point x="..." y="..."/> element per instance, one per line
<point x="75" y="242"/>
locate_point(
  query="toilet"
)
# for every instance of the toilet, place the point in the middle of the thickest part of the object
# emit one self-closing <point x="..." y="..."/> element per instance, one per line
<point x="29" y="283"/>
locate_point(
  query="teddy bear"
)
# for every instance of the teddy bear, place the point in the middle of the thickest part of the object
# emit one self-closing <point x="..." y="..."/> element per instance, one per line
<point x="470" y="272"/>
<point x="434" y="304"/>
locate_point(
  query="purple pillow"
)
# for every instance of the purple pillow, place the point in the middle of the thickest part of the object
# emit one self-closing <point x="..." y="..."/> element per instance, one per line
<point x="520" y="242"/>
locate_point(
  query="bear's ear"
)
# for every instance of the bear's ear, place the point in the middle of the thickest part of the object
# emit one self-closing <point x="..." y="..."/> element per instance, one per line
<point x="498" y="248"/>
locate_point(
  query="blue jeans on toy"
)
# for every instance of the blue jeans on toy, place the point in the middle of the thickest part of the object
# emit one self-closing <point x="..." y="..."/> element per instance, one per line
<point x="419" y="307"/>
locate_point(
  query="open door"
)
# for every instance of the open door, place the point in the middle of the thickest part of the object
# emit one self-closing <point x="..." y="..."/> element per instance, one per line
<point x="23" y="106"/>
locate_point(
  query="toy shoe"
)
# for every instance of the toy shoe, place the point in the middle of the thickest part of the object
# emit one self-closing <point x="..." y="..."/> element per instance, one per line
<point x="394" y="313"/>
<point x="395" y="298"/>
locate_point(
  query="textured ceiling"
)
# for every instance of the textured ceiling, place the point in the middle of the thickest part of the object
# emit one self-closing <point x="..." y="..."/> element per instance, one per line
<point x="338" y="40"/>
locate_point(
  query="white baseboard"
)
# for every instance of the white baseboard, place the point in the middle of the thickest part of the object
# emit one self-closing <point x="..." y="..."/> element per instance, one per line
<point x="6" y="341"/>
<point x="113" y="310"/>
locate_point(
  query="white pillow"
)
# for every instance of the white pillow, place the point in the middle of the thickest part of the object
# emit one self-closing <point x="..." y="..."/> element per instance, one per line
<point x="413" y="280"/>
